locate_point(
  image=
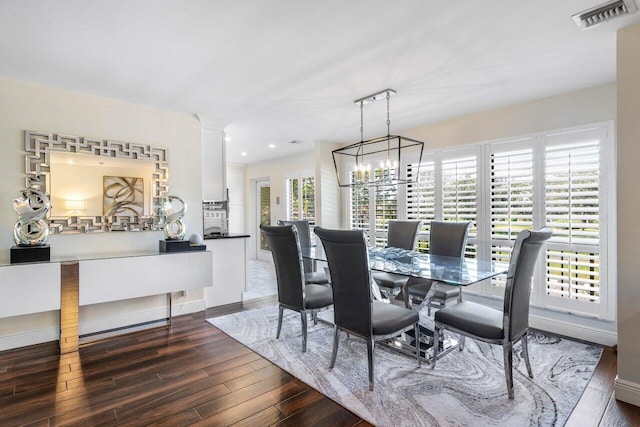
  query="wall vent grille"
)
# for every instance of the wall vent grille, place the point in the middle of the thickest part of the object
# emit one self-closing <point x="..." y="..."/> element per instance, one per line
<point x="602" y="13"/>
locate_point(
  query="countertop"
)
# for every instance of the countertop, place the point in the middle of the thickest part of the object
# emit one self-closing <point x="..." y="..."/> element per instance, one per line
<point x="225" y="236"/>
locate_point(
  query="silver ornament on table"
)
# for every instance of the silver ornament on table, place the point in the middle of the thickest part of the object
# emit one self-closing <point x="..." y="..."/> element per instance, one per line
<point x="32" y="206"/>
<point x="175" y="226"/>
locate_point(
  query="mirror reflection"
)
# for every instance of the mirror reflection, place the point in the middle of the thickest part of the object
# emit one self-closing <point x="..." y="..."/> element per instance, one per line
<point x="89" y="185"/>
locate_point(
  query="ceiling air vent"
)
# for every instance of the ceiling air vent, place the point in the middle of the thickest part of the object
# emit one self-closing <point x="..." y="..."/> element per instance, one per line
<point x="602" y="13"/>
<point x="295" y="141"/>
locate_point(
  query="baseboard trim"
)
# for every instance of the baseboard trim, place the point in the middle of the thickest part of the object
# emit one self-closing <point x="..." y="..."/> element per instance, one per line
<point x="135" y="320"/>
<point x="580" y="332"/>
<point x="627" y="391"/>
<point x="27" y="338"/>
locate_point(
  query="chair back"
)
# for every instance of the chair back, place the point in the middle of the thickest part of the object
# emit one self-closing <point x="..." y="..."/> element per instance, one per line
<point x="287" y="260"/>
<point x="403" y="234"/>
<point x="518" y="287"/>
<point x="304" y="235"/>
<point x="448" y="238"/>
<point x="348" y="259"/>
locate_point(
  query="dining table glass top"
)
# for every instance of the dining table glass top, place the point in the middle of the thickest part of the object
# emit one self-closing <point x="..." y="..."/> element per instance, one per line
<point x="450" y="270"/>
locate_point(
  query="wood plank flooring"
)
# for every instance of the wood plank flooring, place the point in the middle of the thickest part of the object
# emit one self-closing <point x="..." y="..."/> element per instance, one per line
<point x="193" y="374"/>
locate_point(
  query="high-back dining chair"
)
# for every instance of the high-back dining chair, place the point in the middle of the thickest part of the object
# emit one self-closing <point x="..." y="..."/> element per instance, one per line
<point x="403" y="235"/>
<point x="506" y="326"/>
<point x="446" y="239"/>
<point x="292" y="291"/>
<point x="304" y="234"/>
<point x="355" y="311"/>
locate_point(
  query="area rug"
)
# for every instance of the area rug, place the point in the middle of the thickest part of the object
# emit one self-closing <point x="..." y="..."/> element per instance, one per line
<point x="466" y="388"/>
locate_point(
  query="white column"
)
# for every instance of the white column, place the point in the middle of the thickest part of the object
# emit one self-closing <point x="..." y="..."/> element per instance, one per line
<point x="627" y="386"/>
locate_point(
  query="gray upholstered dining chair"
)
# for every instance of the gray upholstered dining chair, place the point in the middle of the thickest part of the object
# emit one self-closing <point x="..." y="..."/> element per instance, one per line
<point x="292" y="291"/>
<point x="446" y="239"/>
<point x="506" y="326"/>
<point x="304" y="234"/>
<point x="355" y="310"/>
<point x="403" y="235"/>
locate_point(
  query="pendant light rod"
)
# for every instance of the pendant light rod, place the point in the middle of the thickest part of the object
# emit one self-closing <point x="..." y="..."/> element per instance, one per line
<point x="375" y="96"/>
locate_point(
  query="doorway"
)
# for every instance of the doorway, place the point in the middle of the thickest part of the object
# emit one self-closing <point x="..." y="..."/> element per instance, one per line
<point x="263" y="216"/>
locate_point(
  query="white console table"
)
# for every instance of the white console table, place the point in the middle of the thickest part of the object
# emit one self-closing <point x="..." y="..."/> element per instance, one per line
<point x="37" y="287"/>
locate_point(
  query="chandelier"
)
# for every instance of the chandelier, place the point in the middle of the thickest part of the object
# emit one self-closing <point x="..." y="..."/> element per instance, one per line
<point x="377" y="161"/>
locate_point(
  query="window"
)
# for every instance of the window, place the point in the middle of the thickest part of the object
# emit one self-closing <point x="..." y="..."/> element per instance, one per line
<point x="360" y="205"/>
<point x="386" y="205"/>
<point x="301" y="193"/>
<point x="382" y="200"/>
<point x="459" y="195"/>
<point x="560" y="179"/>
<point x="510" y="198"/>
<point x="421" y="199"/>
<point x="573" y="188"/>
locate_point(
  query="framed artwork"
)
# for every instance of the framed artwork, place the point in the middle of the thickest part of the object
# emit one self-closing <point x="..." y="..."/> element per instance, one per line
<point x="123" y="196"/>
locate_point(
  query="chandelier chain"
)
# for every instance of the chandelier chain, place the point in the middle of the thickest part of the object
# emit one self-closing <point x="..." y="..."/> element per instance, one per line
<point x="361" y="121"/>
<point x="388" y="114"/>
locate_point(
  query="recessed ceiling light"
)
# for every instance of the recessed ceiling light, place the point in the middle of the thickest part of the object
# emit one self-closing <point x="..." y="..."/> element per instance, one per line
<point x="244" y="153"/>
<point x="227" y="139"/>
<point x="272" y="145"/>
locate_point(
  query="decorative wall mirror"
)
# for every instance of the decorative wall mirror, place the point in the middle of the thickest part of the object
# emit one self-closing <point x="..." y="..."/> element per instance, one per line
<point x="97" y="185"/>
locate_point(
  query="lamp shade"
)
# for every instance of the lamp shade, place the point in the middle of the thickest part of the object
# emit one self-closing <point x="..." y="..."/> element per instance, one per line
<point x="74" y="205"/>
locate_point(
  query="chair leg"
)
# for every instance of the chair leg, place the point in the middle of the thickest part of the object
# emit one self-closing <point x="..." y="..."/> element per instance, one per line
<point x="303" y="318"/>
<point x="417" y="334"/>
<point x="281" y="309"/>
<point x="336" y="340"/>
<point x="460" y="294"/>
<point x="314" y="316"/>
<point x="508" y="367"/>
<point x="436" y="346"/>
<point x="429" y="309"/>
<point x="461" y="342"/>
<point x="525" y="353"/>
<point x="370" y="344"/>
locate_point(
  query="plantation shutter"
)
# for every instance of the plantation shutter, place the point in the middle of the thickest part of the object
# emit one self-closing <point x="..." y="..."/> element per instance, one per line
<point x="293" y="201"/>
<point x="572" y="209"/>
<point x="386" y="205"/>
<point x="359" y="205"/>
<point x="309" y="200"/>
<point x="459" y="194"/>
<point x="421" y="199"/>
<point x="511" y="200"/>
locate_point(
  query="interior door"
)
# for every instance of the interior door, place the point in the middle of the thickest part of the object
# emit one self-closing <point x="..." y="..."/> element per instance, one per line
<point x="263" y="214"/>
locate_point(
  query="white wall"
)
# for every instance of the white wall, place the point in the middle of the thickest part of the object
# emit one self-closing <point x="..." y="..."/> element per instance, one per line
<point x="28" y="106"/>
<point x="595" y="104"/>
<point x="628" y="72"/>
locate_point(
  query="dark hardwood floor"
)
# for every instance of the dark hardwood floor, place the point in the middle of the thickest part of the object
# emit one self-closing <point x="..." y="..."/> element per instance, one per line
<point x="192" y="373"/>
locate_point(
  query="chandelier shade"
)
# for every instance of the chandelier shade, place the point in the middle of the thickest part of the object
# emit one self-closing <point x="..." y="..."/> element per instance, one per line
<point x="377" y="161"/>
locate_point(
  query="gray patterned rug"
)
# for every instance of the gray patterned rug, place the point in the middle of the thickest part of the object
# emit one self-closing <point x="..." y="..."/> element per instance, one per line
<point x="466" y="388"/>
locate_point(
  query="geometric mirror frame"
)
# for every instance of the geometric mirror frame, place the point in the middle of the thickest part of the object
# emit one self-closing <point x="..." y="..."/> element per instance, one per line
<point x="39" y="145"/>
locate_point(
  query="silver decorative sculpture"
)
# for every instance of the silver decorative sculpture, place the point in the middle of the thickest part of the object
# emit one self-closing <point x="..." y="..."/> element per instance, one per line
<point x="32" y="206"/>
<point x="173" y="209"/>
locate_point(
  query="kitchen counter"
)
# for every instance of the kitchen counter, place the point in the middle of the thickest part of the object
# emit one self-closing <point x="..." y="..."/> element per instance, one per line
<point x="226" y="236"/>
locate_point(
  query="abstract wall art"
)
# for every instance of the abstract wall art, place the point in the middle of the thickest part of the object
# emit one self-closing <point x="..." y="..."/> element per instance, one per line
<point x="123" y="196"/>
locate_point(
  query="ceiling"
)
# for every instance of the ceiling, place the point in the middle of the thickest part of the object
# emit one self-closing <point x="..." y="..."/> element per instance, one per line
<point x="273" y="71"/>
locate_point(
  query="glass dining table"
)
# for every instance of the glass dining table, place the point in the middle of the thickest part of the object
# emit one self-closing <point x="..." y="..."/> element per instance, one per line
<point x="440" y="269"/>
